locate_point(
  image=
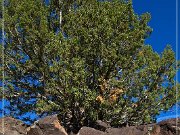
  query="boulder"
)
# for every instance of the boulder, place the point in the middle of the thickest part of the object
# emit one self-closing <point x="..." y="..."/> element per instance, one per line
<point x="49" y="125"/>
<point x="12" y="126"/>
<point x="151" y="129"/>
<point x="90" y="131"/>
<point x="124" y="131"/>
<point x="100" y="125"/>
<point x="170" y="126"/>
<point x="34" y="130"/>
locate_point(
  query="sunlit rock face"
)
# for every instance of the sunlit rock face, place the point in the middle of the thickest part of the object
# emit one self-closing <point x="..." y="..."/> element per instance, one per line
<point x="12" y="126"/>
<point x="47" y="126"/>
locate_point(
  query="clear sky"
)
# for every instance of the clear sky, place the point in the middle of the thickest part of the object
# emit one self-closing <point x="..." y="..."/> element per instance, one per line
<point x="163" y="22"/>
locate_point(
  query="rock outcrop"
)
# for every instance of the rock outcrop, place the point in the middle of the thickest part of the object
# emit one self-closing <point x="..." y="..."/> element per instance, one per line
<point x="90" y="131"/>
<point x="170" y="127"/>
<point x="51" y="126"/>
<point x="12" y="126"/>
<point x="47" y="126"/>
<point x="102" y="126"/>
<point x="138" y="130"/>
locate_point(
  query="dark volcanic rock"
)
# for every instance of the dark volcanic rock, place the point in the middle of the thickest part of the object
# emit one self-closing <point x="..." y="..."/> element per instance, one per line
<point x="49" y="125"/>
<point x="90" y="131"/>
<point x="170" y="126"/>
<point x="34" y="130"/>
<point x="100" y="125"/>
<point x="139" y="130"/>
<point x="126" y="131"/>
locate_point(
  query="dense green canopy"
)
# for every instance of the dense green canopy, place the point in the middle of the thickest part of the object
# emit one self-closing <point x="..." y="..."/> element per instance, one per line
<point x="84" y="60"/>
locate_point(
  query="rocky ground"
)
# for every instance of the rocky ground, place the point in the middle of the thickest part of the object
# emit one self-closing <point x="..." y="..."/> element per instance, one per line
<point x="51" y="126"/>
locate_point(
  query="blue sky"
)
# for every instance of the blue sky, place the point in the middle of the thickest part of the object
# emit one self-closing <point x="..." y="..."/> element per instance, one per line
<point x="163" y="22"/>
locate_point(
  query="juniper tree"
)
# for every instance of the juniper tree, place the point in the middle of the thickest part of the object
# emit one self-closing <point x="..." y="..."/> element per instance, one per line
<point x="84" y="60"/>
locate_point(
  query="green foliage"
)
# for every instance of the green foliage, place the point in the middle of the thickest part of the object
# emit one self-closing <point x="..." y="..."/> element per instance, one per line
<point x="91" y="63"/>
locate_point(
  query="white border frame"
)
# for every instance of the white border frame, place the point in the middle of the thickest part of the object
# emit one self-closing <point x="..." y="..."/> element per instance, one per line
<point x="177" y="21"/>
<point x="3" y="74"/>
